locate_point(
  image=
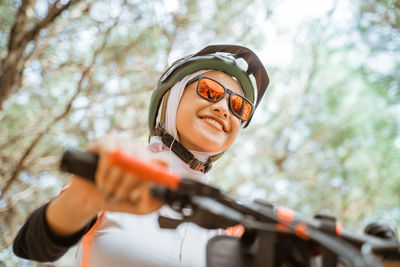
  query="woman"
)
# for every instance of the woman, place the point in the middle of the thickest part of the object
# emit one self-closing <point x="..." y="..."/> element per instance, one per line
<point x="196" y="112"/>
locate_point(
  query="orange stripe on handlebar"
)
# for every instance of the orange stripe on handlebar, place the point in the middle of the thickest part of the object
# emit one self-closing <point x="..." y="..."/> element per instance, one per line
<point x="338" y="230"/>
<point x="301" y="230"/>
<point x="150" y="172"/>
<point x="285" y="214"/>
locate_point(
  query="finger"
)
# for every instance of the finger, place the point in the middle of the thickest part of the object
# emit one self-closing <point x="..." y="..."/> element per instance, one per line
<point x="139" y="201"/>
<point x="126" y="185"/>
<point x="112" y="181"/>
<point x="101" y="147"/>
<point x="135" y="195"/>
<point x="101" y="172"/>
<point x="147" y="203"/>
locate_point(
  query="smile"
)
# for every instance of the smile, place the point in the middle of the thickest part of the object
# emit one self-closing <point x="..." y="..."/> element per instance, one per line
<point x="214" y="123"/>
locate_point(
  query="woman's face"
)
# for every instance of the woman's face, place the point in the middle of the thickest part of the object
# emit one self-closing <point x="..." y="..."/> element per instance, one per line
<point x="207" y="126"/>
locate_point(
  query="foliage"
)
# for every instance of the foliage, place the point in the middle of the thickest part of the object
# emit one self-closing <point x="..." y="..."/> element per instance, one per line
<point x="326" y="138"/>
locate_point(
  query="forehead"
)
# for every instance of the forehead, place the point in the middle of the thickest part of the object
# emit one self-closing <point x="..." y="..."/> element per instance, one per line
<point x="225" y="80"/>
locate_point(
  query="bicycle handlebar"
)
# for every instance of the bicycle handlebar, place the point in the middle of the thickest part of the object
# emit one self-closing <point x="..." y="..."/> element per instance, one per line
<point x="211" y="208"/>
<point x="84" y="164"/>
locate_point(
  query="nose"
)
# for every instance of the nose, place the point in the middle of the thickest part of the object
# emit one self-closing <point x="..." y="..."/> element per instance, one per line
<point x="221" y="107"/>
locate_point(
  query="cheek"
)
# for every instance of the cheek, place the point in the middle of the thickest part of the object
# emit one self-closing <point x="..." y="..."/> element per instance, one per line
<point x="236" y="126"/>
<point x="188" y="108"/>
<point x="185" y="115"/>
<point x="180" y="119"/>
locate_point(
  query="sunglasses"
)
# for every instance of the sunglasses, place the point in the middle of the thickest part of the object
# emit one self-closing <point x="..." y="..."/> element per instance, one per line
<point x="213" y="91"/>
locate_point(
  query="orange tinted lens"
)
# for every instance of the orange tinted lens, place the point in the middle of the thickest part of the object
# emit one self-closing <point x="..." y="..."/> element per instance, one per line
<point x="210" y="89"/>
<point x="241" y="107"/>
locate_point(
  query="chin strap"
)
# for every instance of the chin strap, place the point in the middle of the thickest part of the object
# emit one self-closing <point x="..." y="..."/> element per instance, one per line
<point x="177" y="147"/>
<point x="183" y="153"/>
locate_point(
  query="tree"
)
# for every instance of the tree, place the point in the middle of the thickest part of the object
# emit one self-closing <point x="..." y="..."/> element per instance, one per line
<point x="25" y="31"/>
<point x="73" y="70"/>
<point x="328" y="139"/>
<point x="325" y="139"/>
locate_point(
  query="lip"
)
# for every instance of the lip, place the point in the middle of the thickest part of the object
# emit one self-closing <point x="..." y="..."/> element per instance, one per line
<point x="224" y="127"/>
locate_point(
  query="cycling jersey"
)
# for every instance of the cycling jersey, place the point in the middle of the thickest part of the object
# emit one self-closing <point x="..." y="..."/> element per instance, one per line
<point x="122" y="239"/>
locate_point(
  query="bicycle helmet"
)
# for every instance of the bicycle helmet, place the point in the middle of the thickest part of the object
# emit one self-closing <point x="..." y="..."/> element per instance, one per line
<point x="237" y="61"/>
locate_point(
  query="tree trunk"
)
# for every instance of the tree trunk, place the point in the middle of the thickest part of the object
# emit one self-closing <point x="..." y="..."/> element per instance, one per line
<point x="13" y="65"/>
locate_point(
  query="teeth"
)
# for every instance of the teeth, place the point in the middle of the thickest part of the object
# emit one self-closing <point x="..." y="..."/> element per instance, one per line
<point x="214" y="122"/>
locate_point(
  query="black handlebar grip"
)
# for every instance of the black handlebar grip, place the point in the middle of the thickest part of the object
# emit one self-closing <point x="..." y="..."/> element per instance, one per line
<point x="83" y="164"/>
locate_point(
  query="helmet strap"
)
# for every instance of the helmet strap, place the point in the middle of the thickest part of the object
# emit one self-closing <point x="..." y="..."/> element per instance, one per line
<point x="183" y="153"/>
<point x="164" y="106"/>
<point x="177" y="147"/>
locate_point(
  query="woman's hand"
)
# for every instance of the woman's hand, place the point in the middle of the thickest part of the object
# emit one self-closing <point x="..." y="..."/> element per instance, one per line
<point x="117" y="190"/>
<point x="114" y="189"/>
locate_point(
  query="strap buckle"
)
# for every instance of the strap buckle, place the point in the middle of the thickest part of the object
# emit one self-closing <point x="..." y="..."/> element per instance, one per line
<point x="197" y="165"/>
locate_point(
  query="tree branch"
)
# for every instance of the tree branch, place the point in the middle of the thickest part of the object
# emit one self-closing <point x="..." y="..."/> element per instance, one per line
<point x="12" y="66"/>
<point x="21" y="20"/>
<point x="78" y="12"/>
<point x="28" y="151"/>
<point x="67" y="109"/>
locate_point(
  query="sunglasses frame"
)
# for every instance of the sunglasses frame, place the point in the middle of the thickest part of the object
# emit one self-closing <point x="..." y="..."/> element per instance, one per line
<point x="226" y="91"/>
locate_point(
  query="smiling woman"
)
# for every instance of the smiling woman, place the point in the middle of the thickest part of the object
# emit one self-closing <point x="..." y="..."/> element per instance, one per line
<point x="197" y="110"/>
<point x="204" y="125"/>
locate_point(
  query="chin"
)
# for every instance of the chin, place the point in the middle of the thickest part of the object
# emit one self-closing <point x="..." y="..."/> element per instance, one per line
<point x="213" y="146"/>
<point x="213" y="149"/>
<point x="204" y="142"/>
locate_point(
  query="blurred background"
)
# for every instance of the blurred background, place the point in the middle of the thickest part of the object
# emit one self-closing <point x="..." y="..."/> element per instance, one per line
<point x="326" y="138"/>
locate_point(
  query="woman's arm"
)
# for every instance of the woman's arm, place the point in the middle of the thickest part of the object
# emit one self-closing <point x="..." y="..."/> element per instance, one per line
<point x="53" y="228"/>
<point x="37" y="241"/>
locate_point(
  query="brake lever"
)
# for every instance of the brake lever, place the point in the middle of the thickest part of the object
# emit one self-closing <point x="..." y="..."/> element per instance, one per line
<point x="192" y="200"/>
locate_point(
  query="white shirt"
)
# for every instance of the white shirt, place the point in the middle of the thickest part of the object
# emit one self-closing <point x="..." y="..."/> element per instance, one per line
<point x="123" y="239"/>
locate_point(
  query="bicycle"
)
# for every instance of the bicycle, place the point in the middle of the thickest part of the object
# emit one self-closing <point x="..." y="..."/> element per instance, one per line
<point x="274" y="236"/>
